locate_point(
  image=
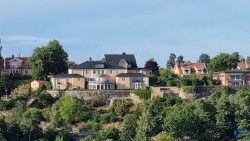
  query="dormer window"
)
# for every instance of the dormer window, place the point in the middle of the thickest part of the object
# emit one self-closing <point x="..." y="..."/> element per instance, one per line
<point x="199" y="71"/>
<point x="99" y="65"/>
<point x="186" y="72"/>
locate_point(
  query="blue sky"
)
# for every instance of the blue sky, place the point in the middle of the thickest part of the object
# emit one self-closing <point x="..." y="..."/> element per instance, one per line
<point x="147" y="28"/>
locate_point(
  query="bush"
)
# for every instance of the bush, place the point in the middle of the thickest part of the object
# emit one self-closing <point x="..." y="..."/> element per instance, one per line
<point x="92" y="126"/>
<point x="105" y="118"/>
<point x="189" y="89"/>
<point x="143" y="94"/>
<point x="6" y="105"/>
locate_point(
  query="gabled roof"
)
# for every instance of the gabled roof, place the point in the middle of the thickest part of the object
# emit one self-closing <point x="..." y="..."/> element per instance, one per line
<point x="91" y="65"/>
<point x="68" y="76"/>
<point x="116" y="58"/>
<point x="24" y="61"/>
<point x="131" y="75"/>
<point x="191" y="66"/>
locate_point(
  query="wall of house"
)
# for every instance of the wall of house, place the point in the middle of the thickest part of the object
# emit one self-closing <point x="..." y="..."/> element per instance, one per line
<point x="73" y="82"/>
<point x="120" y="84"/>
<point x="34" y="85"/>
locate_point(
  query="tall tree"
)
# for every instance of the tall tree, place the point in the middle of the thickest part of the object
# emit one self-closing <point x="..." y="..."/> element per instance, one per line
<point x="152" y="64"/>
<point x="180" y="59"/>
<point x="236" y="55"/>
<point x="71" y="64"/>
<point x="223" y="61"/>
<point x="205" y="58"/>
<point x="48" y="60"/>
<point x="129" y="129"/>
<point x="171" y="61"/>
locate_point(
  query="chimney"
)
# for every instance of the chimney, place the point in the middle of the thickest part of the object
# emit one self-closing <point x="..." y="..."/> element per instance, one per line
<point x="103" y="59"/>
<point x="90" y="59"/>
<point x="13" y="56"/>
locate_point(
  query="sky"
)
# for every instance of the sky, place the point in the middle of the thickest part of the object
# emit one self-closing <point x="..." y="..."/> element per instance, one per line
<point x="145" y="28"/>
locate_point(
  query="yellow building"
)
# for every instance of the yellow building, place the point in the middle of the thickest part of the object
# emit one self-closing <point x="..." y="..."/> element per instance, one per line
<point x="68" y="81"/>
<point x="36" y="84"/>
<point x="132" y="81"/>
<point x="102" y="74"/>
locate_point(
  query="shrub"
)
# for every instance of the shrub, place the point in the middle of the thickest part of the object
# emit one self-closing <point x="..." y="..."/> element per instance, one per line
<point x="105" y="118"/>
<point x="6" y="105"/>
<point x="143" y="94"/>
<point x="92" y="125"/>
<point x="189" y="89"/>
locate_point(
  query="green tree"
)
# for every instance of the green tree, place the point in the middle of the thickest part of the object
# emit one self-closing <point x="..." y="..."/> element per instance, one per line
<point x="71" y="64"/>
<point x="221" y="62"/>
<point x="181" y="121"/>
<point x="5" y="83"/>
<point x="29" y="123"/>
<point x="205" y="58"/>
<point x="109" y="134"/>
<point x="171" y="61"/>
<point x="72" y="110"/>
<point x="129" y="129"/>
<point x="121" y="108"/>
<point x="180" y="59"/>
<point x="236" y="55"/>
<point x="48" y="60"/>
<point x="23" y="91"/>
<point x="145" y="126"/>
<point x="152" y="65"/>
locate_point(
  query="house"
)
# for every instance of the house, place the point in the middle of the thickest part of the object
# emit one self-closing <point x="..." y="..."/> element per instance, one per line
<point x="233" y="77"/>
<point x="15" y="65"/>
<point x="132" y="81"/>
<point x="68" y="81"/>
<point x="36" y="84"/>
<point x="243" y="65"/>
<point x="187" y="68"/>
<point x="102" y="74"/>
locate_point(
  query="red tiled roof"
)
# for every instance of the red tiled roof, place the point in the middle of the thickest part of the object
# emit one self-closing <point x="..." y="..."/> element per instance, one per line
<point x="191" y="66"/>
<point x="7" y="66"/>
<point x="241" y="65"/>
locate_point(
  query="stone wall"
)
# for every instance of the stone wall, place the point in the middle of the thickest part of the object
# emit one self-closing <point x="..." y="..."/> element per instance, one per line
<point x="88" y="95"/>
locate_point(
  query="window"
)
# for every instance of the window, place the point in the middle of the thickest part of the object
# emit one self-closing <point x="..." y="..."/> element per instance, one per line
<point x="94" y="72"/>
<point x="86" y="72"/>
<point x="67" y="81"/>
<point x="110" y="71"/>
<point x="123" y="79"/>
<point x="186" y="71"/>
<point x="98" y="72"/>
<point x="102" y="71"/>
<point x="26" y="72"/>
<point x="236" y="77"/>
<point x="236" y="83"/>
<point x="58" y="81"/>
<point x="199" y="71"/>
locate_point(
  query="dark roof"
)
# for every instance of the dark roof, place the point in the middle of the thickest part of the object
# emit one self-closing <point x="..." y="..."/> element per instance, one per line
<point x="234" y="71"/>
<point x="116" y="58"/>
<point x="131" y="75"/>
<point x="68" y="76"/>
<point x="91" y="65"/>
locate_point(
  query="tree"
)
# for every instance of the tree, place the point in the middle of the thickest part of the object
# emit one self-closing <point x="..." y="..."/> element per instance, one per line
<point x="181" y="121"/>
<point x="236" y="55"/>
<point x="223" y="61"/>
<point x="171" y="61"/>
<point x="152" y="65"/>
<point x="30" y="123"/>
<point x="129" y="129"/>
<point x="5" y="83"/>
<point x="72" y="110"/>
<point x="71" y="64"/>
<point x="204" y="58"/>
<point x="23" y="91"/>
<point x="48" y="60"/>
<point x="180" y="59"/>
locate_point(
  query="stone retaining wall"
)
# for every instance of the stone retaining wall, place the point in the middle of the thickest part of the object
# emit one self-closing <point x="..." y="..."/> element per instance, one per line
<point x="88" y="95"/>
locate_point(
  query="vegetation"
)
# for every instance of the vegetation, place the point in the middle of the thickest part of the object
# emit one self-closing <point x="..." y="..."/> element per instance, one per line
<point x="48" y="60"/>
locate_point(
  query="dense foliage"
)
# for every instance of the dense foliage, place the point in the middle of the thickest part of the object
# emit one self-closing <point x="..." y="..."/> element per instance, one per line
<point x="48" y="60"/>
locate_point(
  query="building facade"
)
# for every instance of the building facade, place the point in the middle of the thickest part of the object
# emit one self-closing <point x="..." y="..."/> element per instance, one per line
<point x="189" y="68"/>
<point x="68" y="81"/>
<point x="15" y="65"/>
<point x="104" y="74"/>
<point x="234" y="77"/>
